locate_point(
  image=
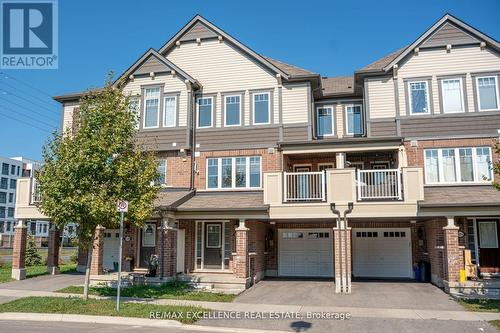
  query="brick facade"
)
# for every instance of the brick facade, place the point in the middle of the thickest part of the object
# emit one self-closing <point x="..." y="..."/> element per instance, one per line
<point x="178" y="168"/>
<point x="19" y="252"/>
<point x="96" y="265"/>
<point x="169" y="251"/>
<point x="240" y="266"/>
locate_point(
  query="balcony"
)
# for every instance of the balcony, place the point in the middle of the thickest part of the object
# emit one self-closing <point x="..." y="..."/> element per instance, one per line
<point x="27" y="199"/>
<point x="376" y="193"/>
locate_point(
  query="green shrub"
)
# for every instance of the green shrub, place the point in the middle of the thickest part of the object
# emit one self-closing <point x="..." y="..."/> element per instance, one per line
<point x="33" y="258"/>
<point x="74" y="257"/>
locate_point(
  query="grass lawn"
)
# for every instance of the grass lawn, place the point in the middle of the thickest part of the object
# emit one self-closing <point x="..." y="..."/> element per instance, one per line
<point x="33" y="271"/>
<point x="495" y="323"/>
<point x="171" y="290"/>
<point x="96" y="307"/>
<point x="481" y="305"/>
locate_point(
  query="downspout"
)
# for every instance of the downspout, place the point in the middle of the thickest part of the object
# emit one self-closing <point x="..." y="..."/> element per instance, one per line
<point x="347" y="286"/>
<point x="338" y="284"/>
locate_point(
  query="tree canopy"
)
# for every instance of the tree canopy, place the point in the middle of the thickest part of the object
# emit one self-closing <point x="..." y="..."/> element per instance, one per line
<point x="96" y="162"/>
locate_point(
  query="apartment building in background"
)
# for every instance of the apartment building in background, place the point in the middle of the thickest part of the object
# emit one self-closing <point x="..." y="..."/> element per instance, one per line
<point x="257" y="157"/>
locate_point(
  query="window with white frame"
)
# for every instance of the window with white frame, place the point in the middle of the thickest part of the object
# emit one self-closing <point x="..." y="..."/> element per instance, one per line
<point x="261" y="108"/>
<point x="162" y="172"/>
<point x="169" y="111"/>
<point x="234" y="172"/>
<point x="232" y="110"/>
<point x="134" y="107"/>
<point x="452" y="93"/>
<point x="205" y="112"/>
<point x="354" y="120"/>
<point x="487" y="93"/>
<point x="151" y="107"/>
<point x="324" y="121"/>
<point x="458" y="165"/>
<point x="419" y="97"/>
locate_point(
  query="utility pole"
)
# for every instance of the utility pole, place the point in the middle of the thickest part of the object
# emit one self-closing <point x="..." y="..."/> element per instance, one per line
<point x="122" y="207"/>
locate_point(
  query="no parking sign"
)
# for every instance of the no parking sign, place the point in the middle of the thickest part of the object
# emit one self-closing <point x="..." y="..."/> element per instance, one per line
<point x="122" y="206"/>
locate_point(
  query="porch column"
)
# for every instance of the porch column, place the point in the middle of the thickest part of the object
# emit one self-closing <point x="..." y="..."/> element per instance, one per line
<point x="96" y="266"/>
<point x="168" y="248"/>
<point x="19" y="251"/>
<point x="342" y="258"/>
<point x="241" y="259"/>
<point x="53" y="250"/>
<point x="340" y="159"/>
<point x="453" y="257"/>
<point x="82" y="259"/>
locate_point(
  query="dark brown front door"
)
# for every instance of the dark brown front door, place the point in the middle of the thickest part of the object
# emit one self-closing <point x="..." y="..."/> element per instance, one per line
<point x="489" y="250"/>
<point x="148" y="244"/>
<point x="213" y="245"/>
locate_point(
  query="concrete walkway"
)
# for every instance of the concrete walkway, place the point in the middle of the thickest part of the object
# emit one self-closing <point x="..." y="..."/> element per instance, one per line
<point x="45" y="282"/>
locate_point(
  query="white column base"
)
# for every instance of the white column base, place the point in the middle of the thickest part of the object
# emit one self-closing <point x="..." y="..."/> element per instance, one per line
<point x="19" y="273"/>
<point x="53" y="270"/>
<point x="81" y="268"/>
<point x="338" y="284"/>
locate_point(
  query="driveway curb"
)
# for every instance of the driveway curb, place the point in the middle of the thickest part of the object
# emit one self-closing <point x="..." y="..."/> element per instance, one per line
<point x="71" y="318"/>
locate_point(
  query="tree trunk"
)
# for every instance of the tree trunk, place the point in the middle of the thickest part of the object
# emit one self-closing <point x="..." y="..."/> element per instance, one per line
<point x="87" y="273"/>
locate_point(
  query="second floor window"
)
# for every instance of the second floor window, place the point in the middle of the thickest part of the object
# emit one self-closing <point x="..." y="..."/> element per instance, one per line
<point x="453" y="100"/>
<point x="10" y="212"/>
<point x="162" y="172"/>
<point x="151" y="107"/>
<point x="205" y="112"/>
<point x="487" y="91"/>
<point x="324" y="121"/>
<point x="11" y="197"/>
<point x="458" y="165"/>
<point x="234" y="172"/>
<point x="354" y="120"/>
<point x="4" y="183"/>
<point x="169" y="111"/>
<point x="13" y="184"/>
<point x="261" y="114"/>
<point x="3" y="197"/>
<point x="232" y="109"/>
<point x="2" y="212"/>
<point x="5" y="169"/>
<point x="419" y="97"/>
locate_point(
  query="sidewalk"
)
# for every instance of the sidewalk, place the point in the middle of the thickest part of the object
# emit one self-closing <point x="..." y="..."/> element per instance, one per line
<point x="356" y="312"/>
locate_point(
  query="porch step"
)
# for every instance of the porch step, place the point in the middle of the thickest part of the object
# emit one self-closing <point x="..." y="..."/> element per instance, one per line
<point x="226" y="283"/>
<point x="476" y="289"/>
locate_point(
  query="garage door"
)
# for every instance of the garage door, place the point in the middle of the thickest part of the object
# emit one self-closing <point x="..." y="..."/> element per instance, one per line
<point x="305" y="252"/>
<point x="382" y="253"/>
<point x="111" y="248"/>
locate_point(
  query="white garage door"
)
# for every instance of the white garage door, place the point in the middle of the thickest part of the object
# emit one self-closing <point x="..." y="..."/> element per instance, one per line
<point x="111" y="248"/>
<point x="382" y="253"/>
<point x="305" y="252"/>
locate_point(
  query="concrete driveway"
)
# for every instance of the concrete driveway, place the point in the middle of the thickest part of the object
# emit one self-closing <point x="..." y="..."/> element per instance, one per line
<point x="45" y="282"/>
<point x="388" y="295"/>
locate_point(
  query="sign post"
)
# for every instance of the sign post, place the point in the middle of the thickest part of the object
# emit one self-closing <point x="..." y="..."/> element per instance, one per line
<point x="122" y="208"/>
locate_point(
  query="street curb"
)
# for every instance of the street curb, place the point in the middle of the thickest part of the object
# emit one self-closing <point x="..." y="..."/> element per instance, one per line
<point x="125" y="321"/>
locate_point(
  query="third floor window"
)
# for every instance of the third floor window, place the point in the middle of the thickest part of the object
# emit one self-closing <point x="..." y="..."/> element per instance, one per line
<point x="261" y="108"/>
<point x="453" y="99"/>
<point x="5" y="169"/>
<point x="419" y="97"/>
<point x="232" y="111"/>
<point x="151" y="107"/>
<point x="205" y="112"/>
<point x="169" y="111"/>
<point x="353" y="120"/>
<point x="324" y="121"/>
<point x="487" y="93"/>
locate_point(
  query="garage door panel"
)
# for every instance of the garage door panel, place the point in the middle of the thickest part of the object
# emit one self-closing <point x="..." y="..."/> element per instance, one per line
<point x="382" y="252"/>
<point x="310" y="255"/>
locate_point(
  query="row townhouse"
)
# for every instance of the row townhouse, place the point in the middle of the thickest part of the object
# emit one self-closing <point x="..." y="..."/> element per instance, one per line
<point x="272" y="170"/>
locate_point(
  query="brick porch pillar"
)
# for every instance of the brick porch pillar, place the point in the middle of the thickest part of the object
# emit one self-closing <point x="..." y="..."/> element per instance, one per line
<point x="342" y="258"/>
<point x="53" y="250"/>
<point x="96" y="266"/>
<point x="453" y="256"/>
<point x="82" y="259"/>
<point x="241" y="260"/>
<point x="19" y="251"/>
<point x="168" y="249"/>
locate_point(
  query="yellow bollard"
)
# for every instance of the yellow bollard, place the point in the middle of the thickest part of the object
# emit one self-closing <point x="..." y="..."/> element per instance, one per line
<point x="463" y="277"/>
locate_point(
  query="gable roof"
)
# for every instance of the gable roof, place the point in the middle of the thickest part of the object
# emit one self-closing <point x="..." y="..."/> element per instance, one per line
<point x="154" y="59"/>
<point x="448" y="30"/>
<point x="202" y="26"/>
<point x="291" y="70"/>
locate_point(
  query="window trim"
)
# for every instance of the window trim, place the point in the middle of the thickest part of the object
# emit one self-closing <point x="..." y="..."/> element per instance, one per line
<point x="268" y="93"/>
<point x="165" y="171"/>
<point x="158" y="108"/>
<point x="495" y="77"/>
<point x="458" y="173"/>
<point x="137" y="113"/>
<point x="233" y="174"/>
<point x="165" y="96"/>
<point x="346" y="119"/>
<point x="495" y="222"/>
<point x="427" y="96"/>
<point x="331" y="107"/>
<point x="239" y="110"/>
<point x="198" y="111"/>
<point x="462" y="97"/>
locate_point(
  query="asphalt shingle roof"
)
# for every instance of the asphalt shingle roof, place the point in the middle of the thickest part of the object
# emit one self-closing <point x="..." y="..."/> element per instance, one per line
<point x="225" y="201"/>
<point x="472" y="195"/>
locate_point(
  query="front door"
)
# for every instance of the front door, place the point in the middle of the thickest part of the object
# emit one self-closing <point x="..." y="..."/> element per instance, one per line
<point x="302" y="185"/>
<point x="148" y="244"/>
<point x="213" y="245"/>
<point x="489" y="252"/>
